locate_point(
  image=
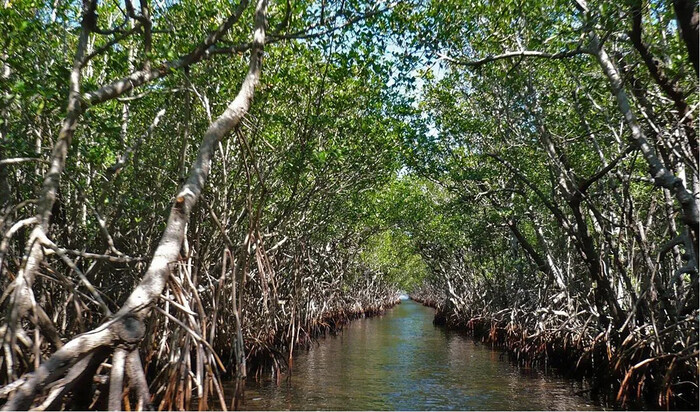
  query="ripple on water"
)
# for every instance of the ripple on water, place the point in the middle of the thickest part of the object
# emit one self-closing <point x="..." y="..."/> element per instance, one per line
<point x="400" y="361"/>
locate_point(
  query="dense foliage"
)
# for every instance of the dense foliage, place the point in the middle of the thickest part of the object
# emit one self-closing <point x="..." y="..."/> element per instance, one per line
<point x="581" y="232"/>
<point x="203" y="187"/>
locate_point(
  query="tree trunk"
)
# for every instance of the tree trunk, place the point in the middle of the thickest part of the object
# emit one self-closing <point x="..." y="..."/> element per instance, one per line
<point x="127" y="327"/>
<point x="688" y="19"/>
<point x="661" y="175"/>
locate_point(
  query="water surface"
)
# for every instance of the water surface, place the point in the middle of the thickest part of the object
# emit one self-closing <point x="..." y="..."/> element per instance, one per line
<point x="400" y="361"/>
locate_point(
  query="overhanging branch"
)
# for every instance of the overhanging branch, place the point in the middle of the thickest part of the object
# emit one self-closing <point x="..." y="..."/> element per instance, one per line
<point x="513" y="55"/>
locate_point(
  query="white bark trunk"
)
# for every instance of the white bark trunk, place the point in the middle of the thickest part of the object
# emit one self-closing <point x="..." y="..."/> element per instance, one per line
<point x="662" y="176"/>
<point x="127" y="326"/>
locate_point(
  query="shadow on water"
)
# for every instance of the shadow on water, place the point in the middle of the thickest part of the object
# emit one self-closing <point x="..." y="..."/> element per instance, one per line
<point x="400" y="361"/>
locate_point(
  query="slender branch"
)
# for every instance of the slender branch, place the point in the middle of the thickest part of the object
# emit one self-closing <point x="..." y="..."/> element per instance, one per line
<point x="17" y="160"/>
<point x="98" y="256"/>
<point x="669" y="86"/>
<point x="662" y="175"/>
<point x="45" y="241"/>
<point x="124" y="158"/>
<point x="301" y="34"/>
<point x="513" y="55"/>
<point x="106" y="46"/>
<point x="602" y="172"/>
<point x="138" y="78"/>
<point x="552" y="208"/>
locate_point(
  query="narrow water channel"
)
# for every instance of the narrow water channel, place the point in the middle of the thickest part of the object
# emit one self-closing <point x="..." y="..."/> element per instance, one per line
<point x="400" y="361"/>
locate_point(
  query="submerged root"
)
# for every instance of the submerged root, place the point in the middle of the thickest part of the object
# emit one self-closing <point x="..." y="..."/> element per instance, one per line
<point x="266" y="357"/>
<point x="626" y="370"/>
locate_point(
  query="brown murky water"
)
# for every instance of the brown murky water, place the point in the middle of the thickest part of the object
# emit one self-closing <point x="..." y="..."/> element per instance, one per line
<point x="400" y="361"/>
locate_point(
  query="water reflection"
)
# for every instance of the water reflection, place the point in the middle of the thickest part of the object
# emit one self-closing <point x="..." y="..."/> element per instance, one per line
<point x="402" y="362"/>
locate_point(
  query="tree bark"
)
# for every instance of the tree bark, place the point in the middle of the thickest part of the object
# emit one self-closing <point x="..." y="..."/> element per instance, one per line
<point x="77" y="104"/>
<point x="127" y="327"/>
<point x="22" y="294"/>
<point x="658" y="73"/>
<point x="688" y="19"/>
<point x="541" y="263"/>
<point x="661" y="175"/>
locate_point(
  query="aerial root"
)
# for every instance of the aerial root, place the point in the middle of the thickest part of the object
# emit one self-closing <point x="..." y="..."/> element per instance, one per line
<point x="626" y="370"/>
